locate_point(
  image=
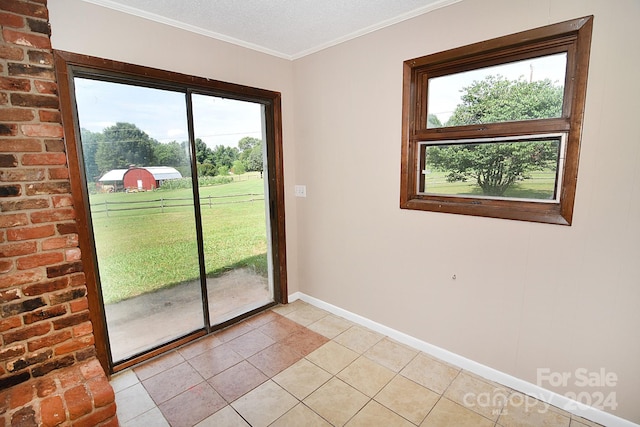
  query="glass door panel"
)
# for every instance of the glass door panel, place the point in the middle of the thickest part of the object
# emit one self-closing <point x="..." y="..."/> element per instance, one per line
<point x="138" y="178"/>
<point x="230" y="152"/>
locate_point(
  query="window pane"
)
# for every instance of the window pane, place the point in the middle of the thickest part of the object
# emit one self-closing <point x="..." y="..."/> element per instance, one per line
<point x="136" y="161"/>
<point x="515" y="169"/>
<point x="522" y="90"/>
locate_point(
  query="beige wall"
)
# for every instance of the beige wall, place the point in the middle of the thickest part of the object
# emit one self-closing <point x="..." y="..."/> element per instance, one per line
<point x="85" y="28"/>
<point x="527" y="295"/>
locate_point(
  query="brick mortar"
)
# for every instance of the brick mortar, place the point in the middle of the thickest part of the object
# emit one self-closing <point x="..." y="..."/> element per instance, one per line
<point x="62" y="397"/>
<point x="45" y="331"/>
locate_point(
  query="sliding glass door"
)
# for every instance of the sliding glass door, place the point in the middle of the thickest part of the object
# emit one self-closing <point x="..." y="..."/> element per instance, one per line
<point x="177" y="190"/>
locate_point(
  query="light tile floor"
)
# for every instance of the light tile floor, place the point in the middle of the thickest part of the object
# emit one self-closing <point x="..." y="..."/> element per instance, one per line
<point x="297" y="365"/>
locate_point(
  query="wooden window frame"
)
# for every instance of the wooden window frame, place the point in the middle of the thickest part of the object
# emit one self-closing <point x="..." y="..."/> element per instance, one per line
<point x="572" y="37"/>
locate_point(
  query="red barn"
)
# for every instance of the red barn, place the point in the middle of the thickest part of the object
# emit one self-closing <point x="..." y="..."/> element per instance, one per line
<point x="139" y="178"/>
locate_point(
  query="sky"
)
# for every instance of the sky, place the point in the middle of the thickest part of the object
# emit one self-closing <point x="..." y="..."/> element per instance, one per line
<point x="162" y="113"/>
<point x="445" y="91"/>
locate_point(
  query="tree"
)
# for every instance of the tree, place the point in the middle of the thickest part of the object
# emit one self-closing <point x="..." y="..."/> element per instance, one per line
<point x="251" y="153"/>
<point x="203" y="152"/>
<point x="224" y="156"/>
<point x="170" y="154"/>
<point x="124" y="144"/>
<point x="90" y="141"/>
<point x="238" y="167"/>
<point x="497" y="166"/>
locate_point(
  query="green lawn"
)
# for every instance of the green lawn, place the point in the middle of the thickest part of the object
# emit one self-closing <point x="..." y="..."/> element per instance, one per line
<point x="539" y="186"/>
<point x="144" y="250"/>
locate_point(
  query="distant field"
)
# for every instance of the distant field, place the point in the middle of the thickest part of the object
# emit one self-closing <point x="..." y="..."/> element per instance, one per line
<point x="539" y="186"/>
<point x="143" y="250"/>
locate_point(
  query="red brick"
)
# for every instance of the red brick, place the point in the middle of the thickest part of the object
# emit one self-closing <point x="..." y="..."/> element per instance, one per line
<point x="41" y="188"/>
<point x="8" y="160"/>
<point x="18" y="69"/>
<point x="52" y="412"/>
<point x="24" y="417"/>
<point x="54" y="145"/>
<point x="13" y="220"/>
<point x="79" y="305"/>
<point x="6" y="265"/>
<point x="77" y="279"/>
<point x="20" y="278"/>
<point x="68" y="295"/>
<point x="28" y="233"/>
<point x="22" y="175"/>
<point x="99" y="418"/>
<point x="11" y="52"/>
<point x="72" y="320"/>
<point x="50" y="116"/>
<point x="9" y="352"/>
<point x="70" y="377"/>
<point x="45" y="368"/>
<point x="85" y="328"/>
<point x="49" y="88"/>
<point x="29" y="360"/>
<point x="101" y="390"/>
<point x="25" y="333"/>
<point x="21" y="394"/>
<point x="11" y="20"/>
<point x="46" y="286"/>
<point x="39" y="57"/>
<point x="24" y="204"/>
<point x="45" y="313"/>
<point x="78" y="402"/>
<point x="44" y="158"/>
<point x="43" y="130"/>
<point x="10" y="190"/>
<point x="75" y="344"/>
<point x="15" y="85"/>
<point x="58" y="173"/>
<point x="39" y="26"/>
<point x="39" y="260"/>
<point x="16" y="114"/>
<point x="52" y="215"/>
<point x="26" y="39"/>
<point x="34" y="101"/>
<point x="20" y="144"/>
<point x="45" y="387"/>
<point x="49" y="341"/>
<point x="64" y="269"/>
<point x="10" y="323"/>
<point x="68" y="241"/>
<point x="62" y="201"/>
<point x="24" y="8"/>
<point x="7" y="129"/>
<point x="67" y="228"/>
<point x="4" y="98"/>
<point x="9" y="295"/>
<point x="16" y="249"/>
<point x="91" y="369"/>
<point x="73" y="254"/>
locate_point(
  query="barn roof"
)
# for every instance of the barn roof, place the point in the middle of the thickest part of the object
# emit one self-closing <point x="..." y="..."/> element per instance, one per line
<point x="158" y="172"/>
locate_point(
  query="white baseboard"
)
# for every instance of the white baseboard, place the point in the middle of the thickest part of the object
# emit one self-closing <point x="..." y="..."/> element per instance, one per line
<point x="525" y="387"/>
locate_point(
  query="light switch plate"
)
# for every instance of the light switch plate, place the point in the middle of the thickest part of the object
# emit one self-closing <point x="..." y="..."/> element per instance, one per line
<point x="300" y="190"/>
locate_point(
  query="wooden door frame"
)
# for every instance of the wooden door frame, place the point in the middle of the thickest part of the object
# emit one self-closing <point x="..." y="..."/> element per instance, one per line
<point x="66" y="64"/>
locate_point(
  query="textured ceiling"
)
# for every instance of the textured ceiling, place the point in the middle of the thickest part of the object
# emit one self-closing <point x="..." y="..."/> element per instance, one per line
<point x="285" y="28"/>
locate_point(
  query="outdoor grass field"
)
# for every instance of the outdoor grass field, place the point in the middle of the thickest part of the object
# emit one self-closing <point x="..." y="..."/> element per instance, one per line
<point x="539" y="186"/>
<point x="153" y="244"/>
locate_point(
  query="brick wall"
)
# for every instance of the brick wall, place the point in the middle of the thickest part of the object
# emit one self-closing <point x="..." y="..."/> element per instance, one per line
<point x="48" y="371"/>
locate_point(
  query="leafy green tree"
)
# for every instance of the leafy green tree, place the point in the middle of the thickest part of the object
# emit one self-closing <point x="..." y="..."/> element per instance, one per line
<point x="171" y="154"/>
<point x="238" y="167"/>
<point x="254" y="159"/>
<point x="90" y="141"/>
<point x="251" y="153"/>
<point x="124" y="144"/>
<point x="224" y="156"/>
<point x="203" y="152"/>
<point x="495" y="167"/>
